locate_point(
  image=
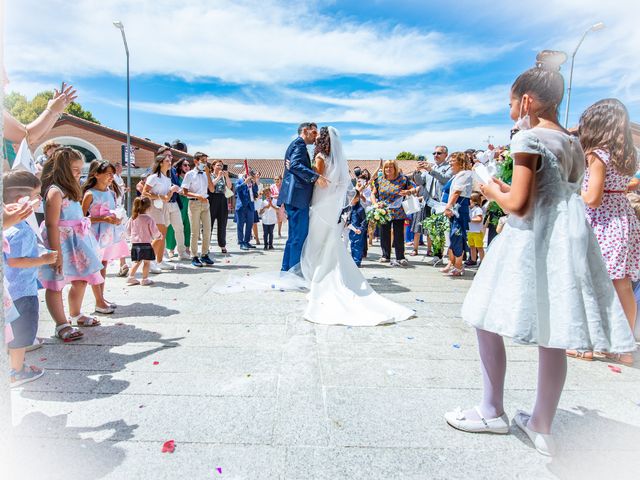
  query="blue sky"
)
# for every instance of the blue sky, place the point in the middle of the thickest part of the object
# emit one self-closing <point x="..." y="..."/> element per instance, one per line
<point x="234" y="78"/>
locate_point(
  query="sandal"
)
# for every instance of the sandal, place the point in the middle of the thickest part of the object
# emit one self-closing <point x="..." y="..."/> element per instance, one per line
<point x="68" y="333"/>
<point x="124" y="270"/>
<point x="87" y="321"/>
<point x="587" y="356"/>
<point x="414" y="253"/>
<point x="622" y="358"/>
<point x="37" y="343"/>
<point x="108" y="310"/>
<point x="29" y="373"/>
<point x="446" y="269"/>
<point x="455" y="273"/>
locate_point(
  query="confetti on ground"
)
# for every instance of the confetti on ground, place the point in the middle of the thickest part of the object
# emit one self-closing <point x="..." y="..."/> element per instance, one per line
<point x="156" y="363"/>
<point x="219" y="469"/>
<point x="419" y="300"/>
<point x="273" y="286"/>
<point x="615" y="369"/>
<point x="119" y="324"/>
<point x="390" y="372"/>
<point x="43" y="359"/>
<point x="188" y="331"/>
<point x="141" y="406"/>
<point x="248" y="375"/>
<point x="169" y="446"/>
<point x="349" y="327"/>
<point x="410" y="338"/>
<point x="456" y="345"/>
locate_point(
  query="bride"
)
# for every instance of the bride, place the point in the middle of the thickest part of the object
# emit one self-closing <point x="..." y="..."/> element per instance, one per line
<point x="338" y="292"/>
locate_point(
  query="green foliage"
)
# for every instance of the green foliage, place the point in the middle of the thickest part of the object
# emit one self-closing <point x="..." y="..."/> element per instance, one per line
<point x="505" y="168"/>
<point x="494" y="212"/>
<point x="436" y="226"/>
<point x="406" y="156"/>
<point x="26" y="111"/>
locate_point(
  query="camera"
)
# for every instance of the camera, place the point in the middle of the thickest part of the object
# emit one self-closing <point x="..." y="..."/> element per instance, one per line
<point x="225" y="167"/>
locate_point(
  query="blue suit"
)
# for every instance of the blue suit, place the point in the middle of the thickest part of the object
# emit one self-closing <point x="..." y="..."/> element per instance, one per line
<point x="295" y="194"/>
<point x="358" y="218"/>
<point x="245" y="209"/>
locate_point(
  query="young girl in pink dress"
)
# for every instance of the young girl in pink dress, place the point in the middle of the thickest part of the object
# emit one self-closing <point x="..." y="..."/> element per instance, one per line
<point x="67" y="231"/>
<point x="605" y="135"/>
<point x="99" y="202"/>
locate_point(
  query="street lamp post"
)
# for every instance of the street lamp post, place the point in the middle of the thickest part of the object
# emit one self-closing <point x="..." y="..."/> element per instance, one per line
<point x="118" y="24"/>
<point x="593" y="28"/>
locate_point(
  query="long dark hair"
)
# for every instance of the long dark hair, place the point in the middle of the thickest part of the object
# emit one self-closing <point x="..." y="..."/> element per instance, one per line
<point x="605" y="125"/>
<point x="544" y="80"/>
<point x="323" y="143"/>
<point x="96" y="168"/>
<point x="59" y="173"/>
<point x="157" y="165"/>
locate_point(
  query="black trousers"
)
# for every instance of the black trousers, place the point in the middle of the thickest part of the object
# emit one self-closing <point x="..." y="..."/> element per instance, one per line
<point x="398" y="239"/>
<point x="219" y="211"/>
<point x="267" y="231"/>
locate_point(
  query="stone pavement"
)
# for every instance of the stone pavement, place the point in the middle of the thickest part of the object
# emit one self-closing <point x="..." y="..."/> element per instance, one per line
<point x="243" y="384"/>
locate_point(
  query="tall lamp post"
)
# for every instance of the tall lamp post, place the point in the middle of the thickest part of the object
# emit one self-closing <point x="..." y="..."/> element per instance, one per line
<point x="593" y="28"/>
<point x="118" y="24"/>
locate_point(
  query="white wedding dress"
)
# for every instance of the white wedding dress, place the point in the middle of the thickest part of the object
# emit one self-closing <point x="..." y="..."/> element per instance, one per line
<point x="338" y="293"/>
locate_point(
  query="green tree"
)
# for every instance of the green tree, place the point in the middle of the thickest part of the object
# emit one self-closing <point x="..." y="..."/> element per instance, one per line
<point x="405" y="156"/>
<point x="26" y="111"/>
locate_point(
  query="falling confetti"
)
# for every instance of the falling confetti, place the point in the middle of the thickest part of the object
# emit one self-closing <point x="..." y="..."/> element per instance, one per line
<point x="219" y="469"/>
<point x="615" y="369"/>
<point x="456" y="345"/>
<point x="169" y="446"/>
<point x="156" y="363"/>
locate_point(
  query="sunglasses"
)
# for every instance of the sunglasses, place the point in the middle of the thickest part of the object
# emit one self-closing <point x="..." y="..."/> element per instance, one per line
<point x="438" y="153"/>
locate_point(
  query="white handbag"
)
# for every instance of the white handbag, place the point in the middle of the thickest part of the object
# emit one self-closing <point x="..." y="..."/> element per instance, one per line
<point x="228" y="192"/>
<point x="411" y="205"/>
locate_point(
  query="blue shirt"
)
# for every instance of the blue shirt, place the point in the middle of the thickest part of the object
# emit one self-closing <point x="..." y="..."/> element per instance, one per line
<point x="23" y="282"/>
<point x="358" y="217"/>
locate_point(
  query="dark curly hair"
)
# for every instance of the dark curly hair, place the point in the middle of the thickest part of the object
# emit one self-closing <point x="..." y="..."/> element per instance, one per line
<point x="605" y="125"/>
<point x="323" y="143"/>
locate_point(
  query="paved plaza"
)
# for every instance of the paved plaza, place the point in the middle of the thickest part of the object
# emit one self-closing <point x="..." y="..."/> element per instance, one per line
<point x="248" y="390"/>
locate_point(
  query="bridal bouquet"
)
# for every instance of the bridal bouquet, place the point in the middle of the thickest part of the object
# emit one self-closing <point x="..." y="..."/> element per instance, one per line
<point x="379" y="215"/>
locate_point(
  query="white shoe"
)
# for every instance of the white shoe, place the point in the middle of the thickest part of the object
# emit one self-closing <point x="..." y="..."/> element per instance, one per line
<point x="457" y="420"/>
<point x="166" y="266"/>
<point x="154" y="268"/>
<point x="185" y="256"/>
<point x="543" y="442"/>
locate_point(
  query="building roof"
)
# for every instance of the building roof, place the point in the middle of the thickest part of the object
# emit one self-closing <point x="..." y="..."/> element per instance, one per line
<point x="65" y="118"/>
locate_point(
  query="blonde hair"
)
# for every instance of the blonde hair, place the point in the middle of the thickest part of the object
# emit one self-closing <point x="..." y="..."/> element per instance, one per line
<point x="634" y="199"/>
<point x="461" y="159"/>
<point x="394" y="164"/>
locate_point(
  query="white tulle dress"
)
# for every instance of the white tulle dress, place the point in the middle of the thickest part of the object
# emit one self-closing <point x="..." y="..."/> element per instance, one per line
<point x="544" y="280"/>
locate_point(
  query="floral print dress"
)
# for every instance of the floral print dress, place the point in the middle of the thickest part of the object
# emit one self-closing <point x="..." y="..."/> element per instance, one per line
<point x="388" y="191"/>
<point x="111" y="243"/>
<point x="81" y="259"/>
<point x="615" y="224"/>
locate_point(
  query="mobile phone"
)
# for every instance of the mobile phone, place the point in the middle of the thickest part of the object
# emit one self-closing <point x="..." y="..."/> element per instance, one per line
<point x="225" y="167"/>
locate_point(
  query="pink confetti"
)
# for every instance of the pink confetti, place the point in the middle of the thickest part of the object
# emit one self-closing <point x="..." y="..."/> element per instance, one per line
<point x="169" y="446"/>
<point x="615" y="369"/>
<point x="43" y="359"/>
<point x="156" y="363"/>
<point x="219" y="469"/>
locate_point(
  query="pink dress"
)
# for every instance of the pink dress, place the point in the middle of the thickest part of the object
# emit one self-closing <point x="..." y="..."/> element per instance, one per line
<point x="615" y="224"/>
<point x="282" y="214"/>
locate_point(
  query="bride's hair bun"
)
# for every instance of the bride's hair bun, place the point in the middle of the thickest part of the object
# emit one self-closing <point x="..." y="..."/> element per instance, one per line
<point x="550" y="60"/>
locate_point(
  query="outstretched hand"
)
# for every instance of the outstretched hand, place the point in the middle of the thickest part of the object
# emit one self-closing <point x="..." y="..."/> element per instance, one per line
<point x="62" y="98"/>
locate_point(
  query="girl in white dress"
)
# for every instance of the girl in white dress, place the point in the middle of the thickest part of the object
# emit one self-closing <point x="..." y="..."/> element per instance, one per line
<point x="544" y="281"/>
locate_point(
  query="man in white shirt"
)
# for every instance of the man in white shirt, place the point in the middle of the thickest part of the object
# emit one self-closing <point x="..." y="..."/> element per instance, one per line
<point x="196" y="187"/>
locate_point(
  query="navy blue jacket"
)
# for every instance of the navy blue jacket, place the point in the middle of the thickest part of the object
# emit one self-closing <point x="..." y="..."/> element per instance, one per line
<point x="174" y="180"/>
<point x="243" y="198"/>
<point x="358" y="217"/>
<point x="297" y="182"/>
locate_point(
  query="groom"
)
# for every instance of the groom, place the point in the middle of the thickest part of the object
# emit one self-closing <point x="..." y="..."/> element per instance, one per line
<point x="296" y="191"/>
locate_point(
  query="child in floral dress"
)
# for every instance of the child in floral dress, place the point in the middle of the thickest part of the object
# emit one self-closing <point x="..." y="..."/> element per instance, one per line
<point x="99" y="202"/>
<point x="67" y="231"/>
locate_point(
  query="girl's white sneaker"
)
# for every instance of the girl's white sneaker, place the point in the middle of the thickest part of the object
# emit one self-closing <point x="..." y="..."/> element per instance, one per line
<point x="457" y="419"/>
<point x="543" y="442"/>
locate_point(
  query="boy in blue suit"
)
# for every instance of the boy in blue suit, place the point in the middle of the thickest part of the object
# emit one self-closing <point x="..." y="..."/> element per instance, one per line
<point x="246" y="193"/>
<point x="357" y="228"/>
<point x="296" y="191"/>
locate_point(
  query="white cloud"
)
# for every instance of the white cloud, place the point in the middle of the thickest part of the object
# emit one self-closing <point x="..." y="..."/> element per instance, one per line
<point x="236" y="41"/>
<point x="388" y="107"/>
